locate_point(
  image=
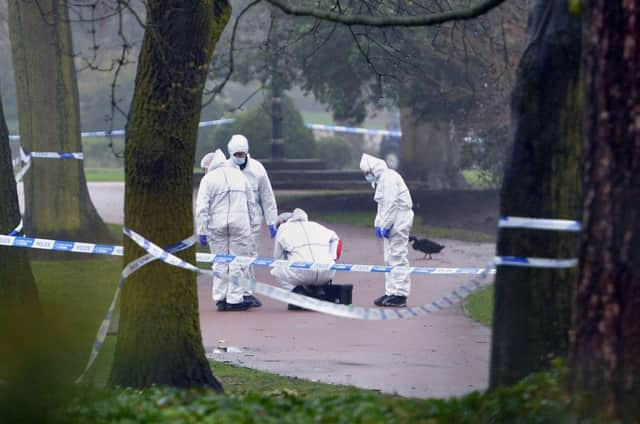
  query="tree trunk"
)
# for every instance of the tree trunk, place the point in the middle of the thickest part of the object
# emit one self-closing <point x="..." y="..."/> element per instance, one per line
<point x="430" y="152"/>
<point x="21" y="323"/>
<point x="57" y="202"/>
<point x="605" y="356"/>
<point x="159" y="340"/>
<point x="532" y="306"/>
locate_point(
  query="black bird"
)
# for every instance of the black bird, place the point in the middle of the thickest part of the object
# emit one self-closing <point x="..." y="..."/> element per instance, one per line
<point x="425" y="246"/>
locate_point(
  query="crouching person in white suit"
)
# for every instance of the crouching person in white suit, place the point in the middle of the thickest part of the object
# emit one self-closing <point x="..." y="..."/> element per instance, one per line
<point x="225" y="210"/>
<point x="301" y="240"/>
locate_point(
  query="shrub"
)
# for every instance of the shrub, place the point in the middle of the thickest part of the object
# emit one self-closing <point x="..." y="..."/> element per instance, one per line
<point x="335" y="151"/>
<point x="255" y="124"/>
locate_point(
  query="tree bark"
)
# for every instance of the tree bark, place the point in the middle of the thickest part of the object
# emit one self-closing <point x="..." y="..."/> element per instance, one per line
<point x="532" y="306"/>
<point x="21" y="322"/>
<point x="57" y="202"/>
<point x="605" y="348"/>
<point x="430" y="152"/>
<point x="159" y="340"/>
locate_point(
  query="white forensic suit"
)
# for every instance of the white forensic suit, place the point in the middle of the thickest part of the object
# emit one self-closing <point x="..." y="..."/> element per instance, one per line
<point x="225" y="209"/>
<point x="394" y="214"/>
<point x="301" y="240"/>
<point x="260" y="184"/>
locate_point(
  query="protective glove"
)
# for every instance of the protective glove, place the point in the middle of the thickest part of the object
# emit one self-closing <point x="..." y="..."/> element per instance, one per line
<point x="379" y="232"/>
<point x="203" y="240"/>
<point x="273" y="230"/>
<point x="386" y="232"/>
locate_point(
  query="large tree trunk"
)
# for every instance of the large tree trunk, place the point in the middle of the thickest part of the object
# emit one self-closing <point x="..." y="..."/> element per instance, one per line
<point x="159" y="340"/>
<point x="430" y="151"/>
<point x="57" y="202"/>
<point x="532" y="306"/>
<point x="605" y="356"/>
<point x="22" y="370"/>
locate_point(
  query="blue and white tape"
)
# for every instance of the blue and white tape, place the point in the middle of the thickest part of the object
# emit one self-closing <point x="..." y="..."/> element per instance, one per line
<point x="57" y="155"/>
<point x="520" y="261"/>
<point x="225" y="121"/>
<point x="345" y="311"/>
<point x="539" y="223"/>
<point x="131" y="267"/>
<point x="18" y="229"/>
<point x="354" y="130"/>
<point x="105" y="249"/>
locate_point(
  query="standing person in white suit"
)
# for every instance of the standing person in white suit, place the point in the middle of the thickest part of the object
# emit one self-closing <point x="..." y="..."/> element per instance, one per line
<point x="266" y="207"/>
<point x="392" y="224"/>
<point x="225" y="212"/>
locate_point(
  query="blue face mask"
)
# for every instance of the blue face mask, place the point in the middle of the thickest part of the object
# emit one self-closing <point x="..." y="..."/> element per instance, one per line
<point x="370" y="178"/>
<point x="239" y="161"/>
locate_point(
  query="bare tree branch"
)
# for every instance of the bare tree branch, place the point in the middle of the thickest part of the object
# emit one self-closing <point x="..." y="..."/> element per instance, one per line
<point x="389" y="21"/>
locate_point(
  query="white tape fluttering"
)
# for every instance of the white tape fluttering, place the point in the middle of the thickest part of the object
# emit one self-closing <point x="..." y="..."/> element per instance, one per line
<point x="355" y="312"/>
<point x="535" y="262"/>
<point x="131" y="267"/>
<point x="539" y="223"/>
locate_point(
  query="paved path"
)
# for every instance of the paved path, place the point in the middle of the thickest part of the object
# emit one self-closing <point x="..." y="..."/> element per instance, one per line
<point x="442" y="355"/>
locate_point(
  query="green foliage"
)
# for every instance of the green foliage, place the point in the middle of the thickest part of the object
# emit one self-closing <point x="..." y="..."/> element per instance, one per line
<point x="486" y="154"/>
<point x="255" y="124"/>
<point x="479" y="306"/>
<point x="540" y="398"/>
<point x="336" y="152"/>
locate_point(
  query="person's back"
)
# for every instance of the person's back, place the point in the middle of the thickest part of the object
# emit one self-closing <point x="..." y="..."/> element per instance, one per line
<point x="393" y="197"/>
<point x="307" y="241"/>
<point x="301" y="240"/>
<point x="222" y="202"/>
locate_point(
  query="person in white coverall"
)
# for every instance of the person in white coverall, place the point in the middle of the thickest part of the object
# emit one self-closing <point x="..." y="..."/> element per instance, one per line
<point x="266" y="207"/>
<point x="301" y="240"/>
<point x="392" y="224"/>
<point x="225" y="212"/>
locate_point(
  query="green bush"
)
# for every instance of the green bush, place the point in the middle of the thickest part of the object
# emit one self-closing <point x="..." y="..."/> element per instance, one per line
<point x="255" y="124"/>
<point x="335" y="151"/>
<point x="540" y="398"/>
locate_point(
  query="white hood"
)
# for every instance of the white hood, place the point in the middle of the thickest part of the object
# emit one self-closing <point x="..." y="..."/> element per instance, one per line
<point x="238" y="143"/>
<point x="372" y="164"/>
<point x="218" y="160"/>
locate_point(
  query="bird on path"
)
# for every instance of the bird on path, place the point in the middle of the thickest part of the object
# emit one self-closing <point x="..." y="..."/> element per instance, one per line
<point x="425" y="246"/>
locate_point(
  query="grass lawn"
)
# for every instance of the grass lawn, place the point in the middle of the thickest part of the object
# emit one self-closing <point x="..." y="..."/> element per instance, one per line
<point x="365" y="219"/>
<point x="479" y="306"/>
<point x="76" y="294"/>
<point x="104" y="174"/>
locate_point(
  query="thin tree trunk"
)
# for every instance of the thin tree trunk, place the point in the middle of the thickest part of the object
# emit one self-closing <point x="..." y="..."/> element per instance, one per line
<point x="57" y="202"/>
<point x="605" y="356"/>
<point x="159" y="340"/>
<point x="532" y="306"/>
<point x="430" y="151"/>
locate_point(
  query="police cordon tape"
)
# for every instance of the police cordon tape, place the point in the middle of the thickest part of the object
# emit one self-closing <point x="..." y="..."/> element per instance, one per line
<point x="131" y="267"/>
<point x="286" y="296"/>
<point x="106" y="249"/>
<point x="154" y="252"/>
<point x="224" y="121"/>
<point x="539" y="223"/>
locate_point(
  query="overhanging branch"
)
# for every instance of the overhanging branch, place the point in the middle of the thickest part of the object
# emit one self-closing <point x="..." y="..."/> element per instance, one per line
<point x="389" y="21"/>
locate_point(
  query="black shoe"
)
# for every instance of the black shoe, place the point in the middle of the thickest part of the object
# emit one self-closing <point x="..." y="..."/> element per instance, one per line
<point x="253" y="301"/>
<point x="223" y="306"/>
<point x="298" y="290"/>
<point x="378" y="301"/>
<point x="394" y="301"/>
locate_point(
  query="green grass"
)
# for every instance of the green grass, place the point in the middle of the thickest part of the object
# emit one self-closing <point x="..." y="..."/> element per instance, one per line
<point x="479" y="306"/>
<point x="366" y="218"/>
<point x="76" y="294"/>
<point x="104" y="174"/>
